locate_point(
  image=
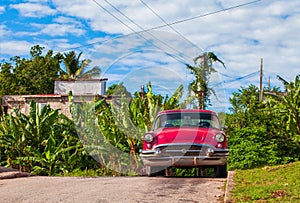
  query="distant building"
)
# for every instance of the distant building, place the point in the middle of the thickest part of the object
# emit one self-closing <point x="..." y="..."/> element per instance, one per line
<point x="81" y="87"/>
<point x="82" y="90"/>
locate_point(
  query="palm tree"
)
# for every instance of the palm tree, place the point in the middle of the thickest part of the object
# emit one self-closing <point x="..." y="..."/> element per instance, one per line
<point x="202" y="69"/>
<point x="75" y="67"/>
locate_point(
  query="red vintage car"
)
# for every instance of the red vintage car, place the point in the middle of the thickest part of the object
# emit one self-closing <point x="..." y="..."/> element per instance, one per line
<point x="185" y="138"/>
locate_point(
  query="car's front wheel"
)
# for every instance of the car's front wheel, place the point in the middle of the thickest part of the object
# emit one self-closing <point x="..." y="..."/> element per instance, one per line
<point x="221" y="171"/>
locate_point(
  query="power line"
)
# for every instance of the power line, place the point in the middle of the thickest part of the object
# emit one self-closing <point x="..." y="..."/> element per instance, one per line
<point x="211" y="13"/>
<point x="166" y="23"/>
<point x="119" y="11"/>
<point x="237" y="79"/>
<point x="173" y="23"/>
<point x="225" y="75"/>
<point x="110" y="13"/>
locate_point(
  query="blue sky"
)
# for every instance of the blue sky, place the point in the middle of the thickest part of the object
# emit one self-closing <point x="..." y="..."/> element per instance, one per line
<point x="240" y="36"/>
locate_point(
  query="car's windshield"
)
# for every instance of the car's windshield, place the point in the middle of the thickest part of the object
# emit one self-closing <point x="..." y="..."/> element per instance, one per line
<point x="205" y="120"/>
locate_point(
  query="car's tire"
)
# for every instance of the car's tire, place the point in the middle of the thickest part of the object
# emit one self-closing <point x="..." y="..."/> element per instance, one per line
<point x="221" y="171"/>
<point x="152" y="171"/>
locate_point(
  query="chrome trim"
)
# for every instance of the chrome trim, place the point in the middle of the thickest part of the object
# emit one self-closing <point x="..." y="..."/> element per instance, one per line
<point x="154" y="154"/>
<point x="154" y="157"/>
<point x="184" y="161"/>
<point x="182" y="144"/>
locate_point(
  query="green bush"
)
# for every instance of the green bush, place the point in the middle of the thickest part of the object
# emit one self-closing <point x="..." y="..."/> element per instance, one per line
<point x="251" y="147"/>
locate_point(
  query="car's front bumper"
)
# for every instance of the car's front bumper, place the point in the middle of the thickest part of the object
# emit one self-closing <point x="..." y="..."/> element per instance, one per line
<point x="205" y="157"/>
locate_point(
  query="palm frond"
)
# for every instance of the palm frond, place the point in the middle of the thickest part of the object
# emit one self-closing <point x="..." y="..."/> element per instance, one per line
<point x="214" y="58"/>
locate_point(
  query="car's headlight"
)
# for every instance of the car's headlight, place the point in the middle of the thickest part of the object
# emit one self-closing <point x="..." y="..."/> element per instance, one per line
<point x="148" y="137"/>
<point x="220" y="137"/>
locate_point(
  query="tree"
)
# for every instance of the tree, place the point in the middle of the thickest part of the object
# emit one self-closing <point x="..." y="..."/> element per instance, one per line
<point x="75" y="68"/>
<point x="118" y="90"/>
<point x="35" y="75"/>
<point x="7" y="79"/>
<point x="199" y="87"/>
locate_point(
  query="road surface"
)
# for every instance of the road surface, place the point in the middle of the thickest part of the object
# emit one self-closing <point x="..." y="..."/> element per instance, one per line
<point x="111" y="189"/>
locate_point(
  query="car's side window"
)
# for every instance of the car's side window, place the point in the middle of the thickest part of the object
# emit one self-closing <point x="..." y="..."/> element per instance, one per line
<point x="157" y="123"/>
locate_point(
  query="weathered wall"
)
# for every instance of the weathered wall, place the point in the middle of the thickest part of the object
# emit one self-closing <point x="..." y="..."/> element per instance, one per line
<point x="22" y="102"/>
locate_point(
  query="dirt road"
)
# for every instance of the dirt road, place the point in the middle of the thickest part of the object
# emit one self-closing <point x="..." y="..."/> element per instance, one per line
<point x="111" y="189"/>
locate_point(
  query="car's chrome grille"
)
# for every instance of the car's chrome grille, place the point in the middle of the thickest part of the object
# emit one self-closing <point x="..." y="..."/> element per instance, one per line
<point x="182" y="150"/>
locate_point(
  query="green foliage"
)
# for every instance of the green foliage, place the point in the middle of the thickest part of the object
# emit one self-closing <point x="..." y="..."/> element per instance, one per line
<point x="288" y="107"/>
<point x="7" y="78"/>
<point x="251" y="147"/>
<point x="35" y="75"/>
<point x="75" y="68"/>
<point x="43" y="142"/>
<point x="117" y="90"/>
<point x="262" y="132"/>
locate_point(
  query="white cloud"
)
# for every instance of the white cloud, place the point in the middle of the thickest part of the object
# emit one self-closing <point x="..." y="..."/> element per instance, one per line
<point x="3" y="31"/>
<point x="2" y="9"/>
<point x="62" y="30"/>
<point x="67" y="20"/>
<point x="87" y="10"/>
<point x="33" y="9"/>
<point x="61" y="45"/>
<point x="15" y="48"/>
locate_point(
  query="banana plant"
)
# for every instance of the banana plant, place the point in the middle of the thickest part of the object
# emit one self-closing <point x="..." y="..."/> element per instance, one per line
<point x="12" y="141"/>
<point x="43" y="142"/>
<point x="288" y="105"/>
<point x="48" y="162"/>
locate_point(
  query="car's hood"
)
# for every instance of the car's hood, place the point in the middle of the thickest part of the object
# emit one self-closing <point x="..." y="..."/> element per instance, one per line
<point x="185" y="134"/>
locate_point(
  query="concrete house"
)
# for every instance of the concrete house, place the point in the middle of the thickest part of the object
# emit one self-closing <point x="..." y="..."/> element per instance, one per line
<point x="82" y="90"/>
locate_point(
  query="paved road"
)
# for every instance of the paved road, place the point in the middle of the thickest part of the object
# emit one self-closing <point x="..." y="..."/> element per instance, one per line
<point x="111" y="189"/>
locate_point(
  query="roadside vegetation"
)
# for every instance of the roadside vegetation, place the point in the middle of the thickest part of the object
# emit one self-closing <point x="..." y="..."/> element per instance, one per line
<point x="279" y="183"/>
<point x="264" y="132"/>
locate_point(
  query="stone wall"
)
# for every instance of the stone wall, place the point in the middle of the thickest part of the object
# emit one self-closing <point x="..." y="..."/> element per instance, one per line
<point x="22" y="102"/>
<point x="56" y="101"/>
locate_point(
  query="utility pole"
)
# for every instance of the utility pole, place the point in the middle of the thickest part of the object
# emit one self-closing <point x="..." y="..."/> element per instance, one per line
<point x="260" y="80"/>
<point x="143" y="92"/>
